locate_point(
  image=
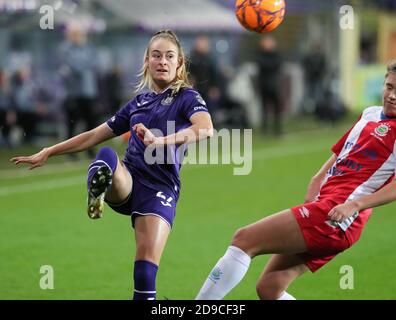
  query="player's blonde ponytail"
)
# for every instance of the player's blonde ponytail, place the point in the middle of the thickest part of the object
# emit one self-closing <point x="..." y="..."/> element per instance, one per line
<point x="181" y="79"/>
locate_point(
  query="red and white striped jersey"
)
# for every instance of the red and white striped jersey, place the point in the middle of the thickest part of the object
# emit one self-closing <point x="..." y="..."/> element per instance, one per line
<point x="365" y="160"/>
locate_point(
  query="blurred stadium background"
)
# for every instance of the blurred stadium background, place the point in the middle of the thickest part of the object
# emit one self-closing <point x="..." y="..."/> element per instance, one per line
<point x="42" y="213"/>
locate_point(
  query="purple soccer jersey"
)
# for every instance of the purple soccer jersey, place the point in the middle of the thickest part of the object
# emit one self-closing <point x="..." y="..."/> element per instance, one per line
<point x="160" y="113"/>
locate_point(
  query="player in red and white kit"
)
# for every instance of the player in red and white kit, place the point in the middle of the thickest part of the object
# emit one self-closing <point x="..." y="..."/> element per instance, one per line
<point x="358" y="176"/>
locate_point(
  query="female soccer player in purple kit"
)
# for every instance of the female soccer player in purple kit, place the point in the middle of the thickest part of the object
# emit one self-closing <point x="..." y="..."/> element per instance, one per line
<point x="146" y="190"/>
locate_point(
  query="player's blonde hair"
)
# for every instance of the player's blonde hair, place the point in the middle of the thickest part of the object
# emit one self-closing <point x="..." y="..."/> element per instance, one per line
<point x="181" y="79"/>
<point x="391" y="67"/>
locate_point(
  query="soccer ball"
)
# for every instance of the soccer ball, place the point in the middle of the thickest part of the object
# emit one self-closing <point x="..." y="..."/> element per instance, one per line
<point x="260" y="15"/>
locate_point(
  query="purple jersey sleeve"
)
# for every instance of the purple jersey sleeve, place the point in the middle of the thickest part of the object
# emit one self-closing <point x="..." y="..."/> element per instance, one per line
<point x="193" y="103"/>
<point x="120" y="122"/>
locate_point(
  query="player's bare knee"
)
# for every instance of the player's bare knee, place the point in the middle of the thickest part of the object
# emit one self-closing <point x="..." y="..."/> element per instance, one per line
<point x="261" y="291"/>
<point x="241" y="240"/>
<point x="266" y="293"/>
<point x="238" y="238"/>
<point x="270" y="287"/>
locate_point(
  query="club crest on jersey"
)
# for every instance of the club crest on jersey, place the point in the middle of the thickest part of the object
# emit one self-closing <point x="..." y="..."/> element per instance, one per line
<point x="167" y="101"/>
<point x="382" y="130"/>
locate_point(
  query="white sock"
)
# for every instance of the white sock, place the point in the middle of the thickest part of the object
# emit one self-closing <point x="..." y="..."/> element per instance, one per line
<point x="226" y="274"/>
<point x="286" y="296"/>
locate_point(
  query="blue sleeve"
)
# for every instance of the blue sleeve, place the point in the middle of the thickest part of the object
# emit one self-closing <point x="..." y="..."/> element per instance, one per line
<point x="120" y="122"/>
<point x="193" y="103"/>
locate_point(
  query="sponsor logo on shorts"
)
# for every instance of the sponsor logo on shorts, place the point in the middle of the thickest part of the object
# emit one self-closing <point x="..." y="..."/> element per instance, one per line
<point x="304" y="212"/>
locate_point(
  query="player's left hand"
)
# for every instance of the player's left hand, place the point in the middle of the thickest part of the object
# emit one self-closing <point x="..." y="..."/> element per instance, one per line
<point x="343" y="211"/>
<point x="35" y="160"/>
<point x="144" y="134"/>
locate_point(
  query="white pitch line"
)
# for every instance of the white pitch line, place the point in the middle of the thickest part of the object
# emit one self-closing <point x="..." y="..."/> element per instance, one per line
<point x="23" y="172"/>
<point x="262" y="154"/>
<point x="40" y="186"/>
<point x="76" y="180"/>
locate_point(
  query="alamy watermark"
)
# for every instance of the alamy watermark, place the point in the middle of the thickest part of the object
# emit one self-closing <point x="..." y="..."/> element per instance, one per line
<point x="347" y="280"/>
<point x="47" y="278"/>
<point x="347" y="18"/>
<point x="226" y="146"/>
<point x="47" y="13"/>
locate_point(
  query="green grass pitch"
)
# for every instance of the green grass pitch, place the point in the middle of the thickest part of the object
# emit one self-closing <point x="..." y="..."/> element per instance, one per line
<point x="43" y="222"/>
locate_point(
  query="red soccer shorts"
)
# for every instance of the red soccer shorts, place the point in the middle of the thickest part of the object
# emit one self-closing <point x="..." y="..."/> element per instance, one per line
<point x="324" y="240"/>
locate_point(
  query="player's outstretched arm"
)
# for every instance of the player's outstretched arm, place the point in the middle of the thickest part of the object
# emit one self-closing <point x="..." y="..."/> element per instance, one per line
<point x="201" y="128"/>
<point x="317" y="180"/>
<point x="78" y="143"/>
<point x="383" y="196"/>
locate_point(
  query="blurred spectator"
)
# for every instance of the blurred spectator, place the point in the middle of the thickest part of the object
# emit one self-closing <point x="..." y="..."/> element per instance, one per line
<point x="269" y="63"/>
<point x="241" y="89"/>
<point x="230" y="110"/>
<point x="111" y="90"/>
<point x="25" y="100"/>
<point x="329" y="106"/>
<point x="367" y="49"/>
<point x="79" y="70"/>
<point x="315" y="68"/>
<point x="386" y="4"/>
<point x="320" y="97"/>
<point x="203" y="72"/>
<point x="8" y="116"/>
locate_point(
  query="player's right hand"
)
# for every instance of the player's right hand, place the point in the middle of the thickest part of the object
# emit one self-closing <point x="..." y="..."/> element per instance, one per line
<point x="36" y="160"/>
<point x="343" y="211"/>
<point x="144" y="134"/>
